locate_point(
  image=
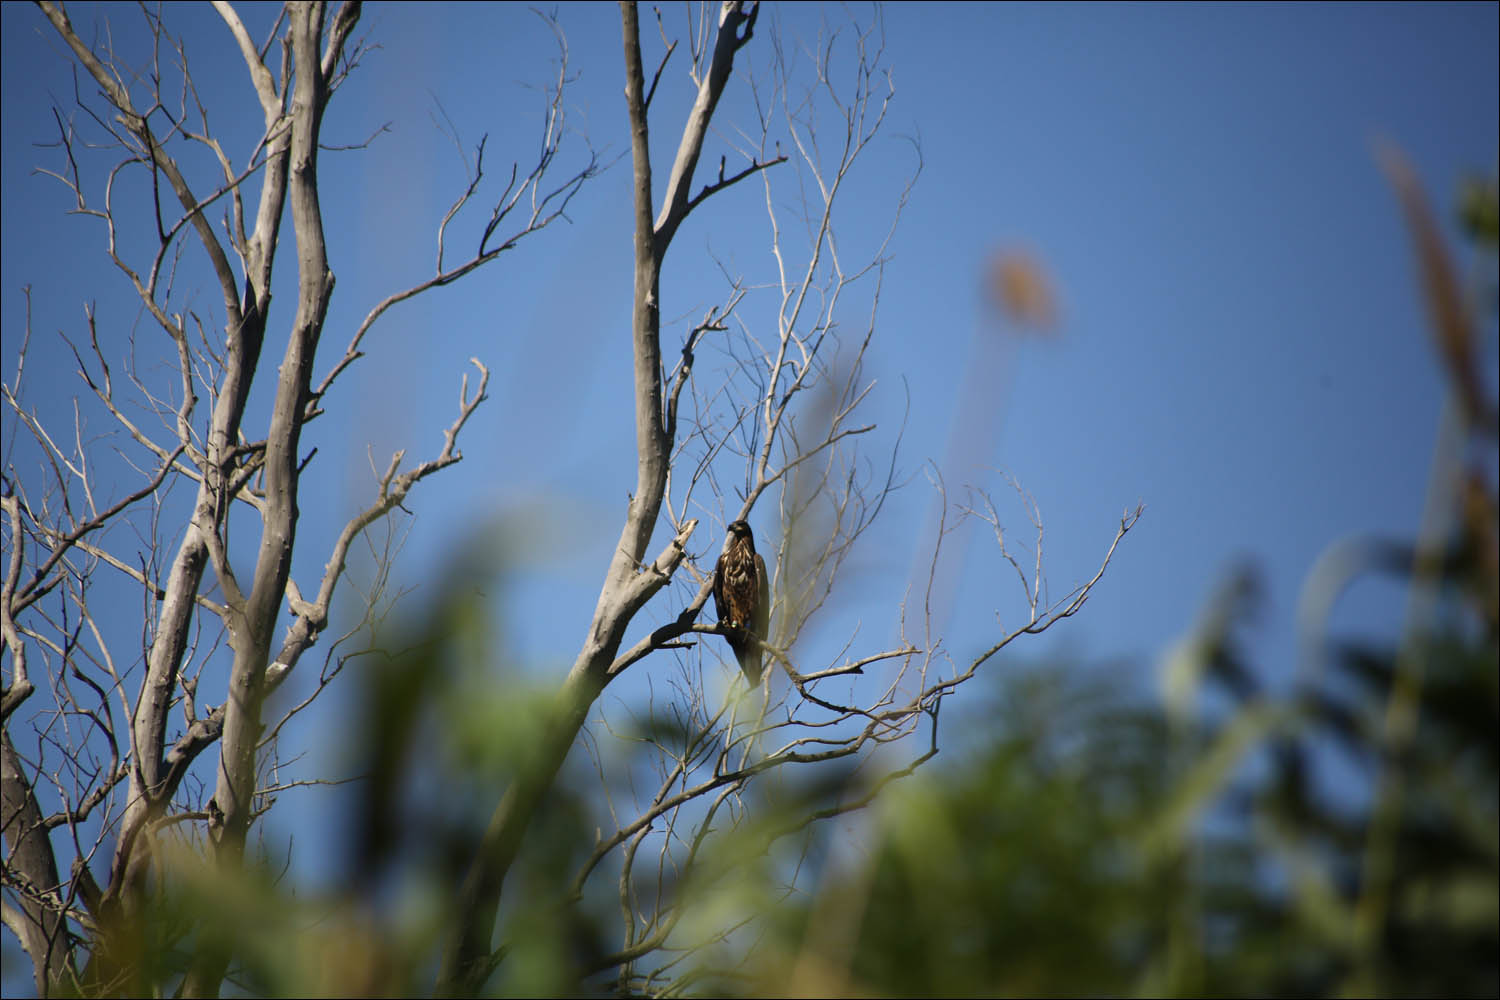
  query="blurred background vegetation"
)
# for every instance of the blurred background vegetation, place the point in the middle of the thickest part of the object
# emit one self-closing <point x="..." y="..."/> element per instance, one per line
<point x="1078" y="838"/>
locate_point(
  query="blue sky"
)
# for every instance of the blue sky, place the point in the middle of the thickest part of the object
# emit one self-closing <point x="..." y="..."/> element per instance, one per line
<point x="1242" y="345"/>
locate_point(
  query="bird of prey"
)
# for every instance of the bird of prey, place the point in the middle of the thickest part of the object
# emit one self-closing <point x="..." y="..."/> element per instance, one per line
<point x="742" y="597"/>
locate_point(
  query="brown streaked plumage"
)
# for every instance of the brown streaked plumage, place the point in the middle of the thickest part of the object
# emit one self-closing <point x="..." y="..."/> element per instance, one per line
<point x="742" y="597"/>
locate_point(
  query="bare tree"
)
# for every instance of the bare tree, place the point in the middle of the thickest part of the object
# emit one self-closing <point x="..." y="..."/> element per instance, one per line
<point x="772" y="425"/>
<point x="783" y="420"/>
<point x="98" y="728"/>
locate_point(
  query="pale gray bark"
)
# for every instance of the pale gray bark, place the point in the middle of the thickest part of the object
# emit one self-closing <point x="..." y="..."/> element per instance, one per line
<point x="39" y="922"/>
<point x="252" y="616"/>
<point x="52" y="550"/>
<point x="629" y="582"/>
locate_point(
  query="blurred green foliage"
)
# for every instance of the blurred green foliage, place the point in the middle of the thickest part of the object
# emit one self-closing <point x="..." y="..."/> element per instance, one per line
<point x="1053" y="862"/>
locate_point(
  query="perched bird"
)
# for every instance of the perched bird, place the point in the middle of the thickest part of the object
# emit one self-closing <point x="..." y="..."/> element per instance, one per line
<point x="742" y="597"/>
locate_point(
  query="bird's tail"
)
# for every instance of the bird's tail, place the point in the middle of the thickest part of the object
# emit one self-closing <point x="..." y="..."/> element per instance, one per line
<point x="750" y="662"/>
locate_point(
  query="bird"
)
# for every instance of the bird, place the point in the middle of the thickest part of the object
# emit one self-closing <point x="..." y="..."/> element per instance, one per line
<point x="742" y="597"/>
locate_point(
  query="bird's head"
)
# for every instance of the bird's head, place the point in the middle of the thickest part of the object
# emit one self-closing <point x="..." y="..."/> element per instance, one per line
<point x="739" y="529"/>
